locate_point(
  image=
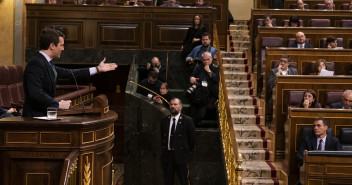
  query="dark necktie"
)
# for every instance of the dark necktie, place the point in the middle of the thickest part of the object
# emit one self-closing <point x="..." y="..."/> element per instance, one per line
<point x="172" y="145"/>
<point x="54" y="70"/>
<point x="319" y="147"/>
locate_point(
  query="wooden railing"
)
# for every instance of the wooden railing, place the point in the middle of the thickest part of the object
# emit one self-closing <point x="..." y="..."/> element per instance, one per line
<point x="233" y="159"/>
<point x="69" y="170"/>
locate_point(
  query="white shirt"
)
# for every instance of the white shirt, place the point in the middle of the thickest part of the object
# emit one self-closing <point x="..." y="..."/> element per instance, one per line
<point x="299" y="45"/>
<point x="172" y="124"/>
<point x="322" y="143"/>
<point x="92" y="70"/>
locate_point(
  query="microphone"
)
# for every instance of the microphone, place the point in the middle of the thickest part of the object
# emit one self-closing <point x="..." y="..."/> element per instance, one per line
<point x="80" y="96"/>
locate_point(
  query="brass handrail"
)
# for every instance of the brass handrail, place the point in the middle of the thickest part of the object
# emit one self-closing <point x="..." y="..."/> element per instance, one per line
<point x="233" y="159"/>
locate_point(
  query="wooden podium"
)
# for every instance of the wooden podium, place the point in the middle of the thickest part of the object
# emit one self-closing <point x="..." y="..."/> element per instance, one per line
<point x="75" y="150"/>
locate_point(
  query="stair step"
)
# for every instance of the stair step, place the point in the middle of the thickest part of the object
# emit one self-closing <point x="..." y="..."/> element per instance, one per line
<point x="248" y="131"/>
<point x="238" y="27"/>
<point x="243" y="119"/>
<point x="240" y="91"/>
<point x="233" y="55"/>
<point x="240" y="44"/>
<point x="257" y="169"/>
<point x="231" y="49"/>
<point x="236" y="68"/>
<point x="239" y="84"/>
<point x="256" y="181"/>
<point x="234" y="60"/>
<point x="243" y="100"/>
<point x="239" y="37"/>
<point x="229" y="75"/>
<point x="240" y="22"/>
<point x="237" y="33"/>
<point x="253" y="143"/>
<point x="245" y="109"/>
<point x="254" y="155"/>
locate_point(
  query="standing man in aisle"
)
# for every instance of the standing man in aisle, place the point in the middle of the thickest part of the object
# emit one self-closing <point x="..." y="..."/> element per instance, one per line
<point x="177" y="140"/>
<point x="40" y="75"/>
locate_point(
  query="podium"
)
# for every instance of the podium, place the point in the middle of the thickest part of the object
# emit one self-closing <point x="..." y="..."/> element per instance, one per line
<point x="75" y="150"/>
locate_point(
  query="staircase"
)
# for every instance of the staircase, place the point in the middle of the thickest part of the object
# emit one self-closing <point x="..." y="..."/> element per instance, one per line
<point x="255" y="142"/>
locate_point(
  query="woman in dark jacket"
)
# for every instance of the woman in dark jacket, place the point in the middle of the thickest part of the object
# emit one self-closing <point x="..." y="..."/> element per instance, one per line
<point x="164" y="92"/>
<point x="309" y="100"/>
<point x="194" y="35"/>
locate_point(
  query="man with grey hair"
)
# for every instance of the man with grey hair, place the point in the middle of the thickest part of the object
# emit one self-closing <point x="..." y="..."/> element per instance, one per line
<point x="346" y="102"/>
<point x="329" y="4"/>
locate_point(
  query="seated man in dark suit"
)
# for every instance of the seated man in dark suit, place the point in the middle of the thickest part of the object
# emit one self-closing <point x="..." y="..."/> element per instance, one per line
<point x="282" y="69"/>
<point x="321" y="141"/>
<point x="152" y="83"/>
<point x="300" y="41"/>
<point x="346" y="102"/>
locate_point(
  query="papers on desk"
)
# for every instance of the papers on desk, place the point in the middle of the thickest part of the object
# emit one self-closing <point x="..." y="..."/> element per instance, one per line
<point x="46" y="118"/>
<point x="324" y="72"/>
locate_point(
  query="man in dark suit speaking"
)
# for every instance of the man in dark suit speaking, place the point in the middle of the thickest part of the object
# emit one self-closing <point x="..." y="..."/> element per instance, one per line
<point x="177" y="139"/>
<point x="321" y="141"/>
<point x="40" y="75"/>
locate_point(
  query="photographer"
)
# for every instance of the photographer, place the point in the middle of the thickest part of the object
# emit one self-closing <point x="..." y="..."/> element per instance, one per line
<point x="195" y="57"/>
<point x="205" y="88"/>
<point x="152" y="83"/>
<point x="155" y="65"/>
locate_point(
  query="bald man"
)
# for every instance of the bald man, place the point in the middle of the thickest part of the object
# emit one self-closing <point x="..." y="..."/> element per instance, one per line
<point x="300" y="42"/>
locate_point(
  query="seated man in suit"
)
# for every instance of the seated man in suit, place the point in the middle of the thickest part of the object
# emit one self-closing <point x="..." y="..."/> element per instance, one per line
<point x="300" y="41"/>
<point x="319" y="141"/>
<point x="151" y="83"/>
<point x="346" y="102"/>
<point x="282" y="69"/>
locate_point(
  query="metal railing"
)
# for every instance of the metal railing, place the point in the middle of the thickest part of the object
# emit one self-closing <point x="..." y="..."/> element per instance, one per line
<point x="233" y="159"/>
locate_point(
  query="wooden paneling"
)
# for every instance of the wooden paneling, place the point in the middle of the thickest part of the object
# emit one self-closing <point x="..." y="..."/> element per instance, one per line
<point x="299" y="118"/>
<point x="114" y="27"/>
<point x="34" y="151"/>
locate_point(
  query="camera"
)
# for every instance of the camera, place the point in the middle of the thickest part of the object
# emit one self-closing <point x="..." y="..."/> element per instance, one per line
<point x="193" y="87"/>
<point x="152" y="65"/>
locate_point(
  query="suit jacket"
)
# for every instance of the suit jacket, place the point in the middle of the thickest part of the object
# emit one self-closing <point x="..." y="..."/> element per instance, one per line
<point x="272" y="79"/>
<point x="40" y="85"/>
<point x="337" y="105"/>
<point x="310" y="143"/>
<point x="154" y="87"/>
<point x="184" y="138"/>
<point x="295" y="45"/>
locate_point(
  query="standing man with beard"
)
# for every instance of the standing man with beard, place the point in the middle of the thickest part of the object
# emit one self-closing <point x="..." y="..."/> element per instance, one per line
<point x="177" y="139"/>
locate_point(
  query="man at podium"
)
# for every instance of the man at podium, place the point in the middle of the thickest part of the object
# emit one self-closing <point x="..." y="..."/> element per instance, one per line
<point x="40" y="75"/>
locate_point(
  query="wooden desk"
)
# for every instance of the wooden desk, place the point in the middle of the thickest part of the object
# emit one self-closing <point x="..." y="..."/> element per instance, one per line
<point x="121" y="27"/>
<point x="312" y="3"/>
<point x="327" y="168"/>
<point x="319" y="84"/>
<point x="305" y="15"/>
<point x="299" y="118"/>
<point x="314" y="34"/>
<point x="36" y="152"/>
<point x="342" y="59"/>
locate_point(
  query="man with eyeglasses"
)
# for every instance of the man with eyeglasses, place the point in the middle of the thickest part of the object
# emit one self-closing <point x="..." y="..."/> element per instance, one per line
<point x="346" y="102"/>
<point x="282" y="69"/>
